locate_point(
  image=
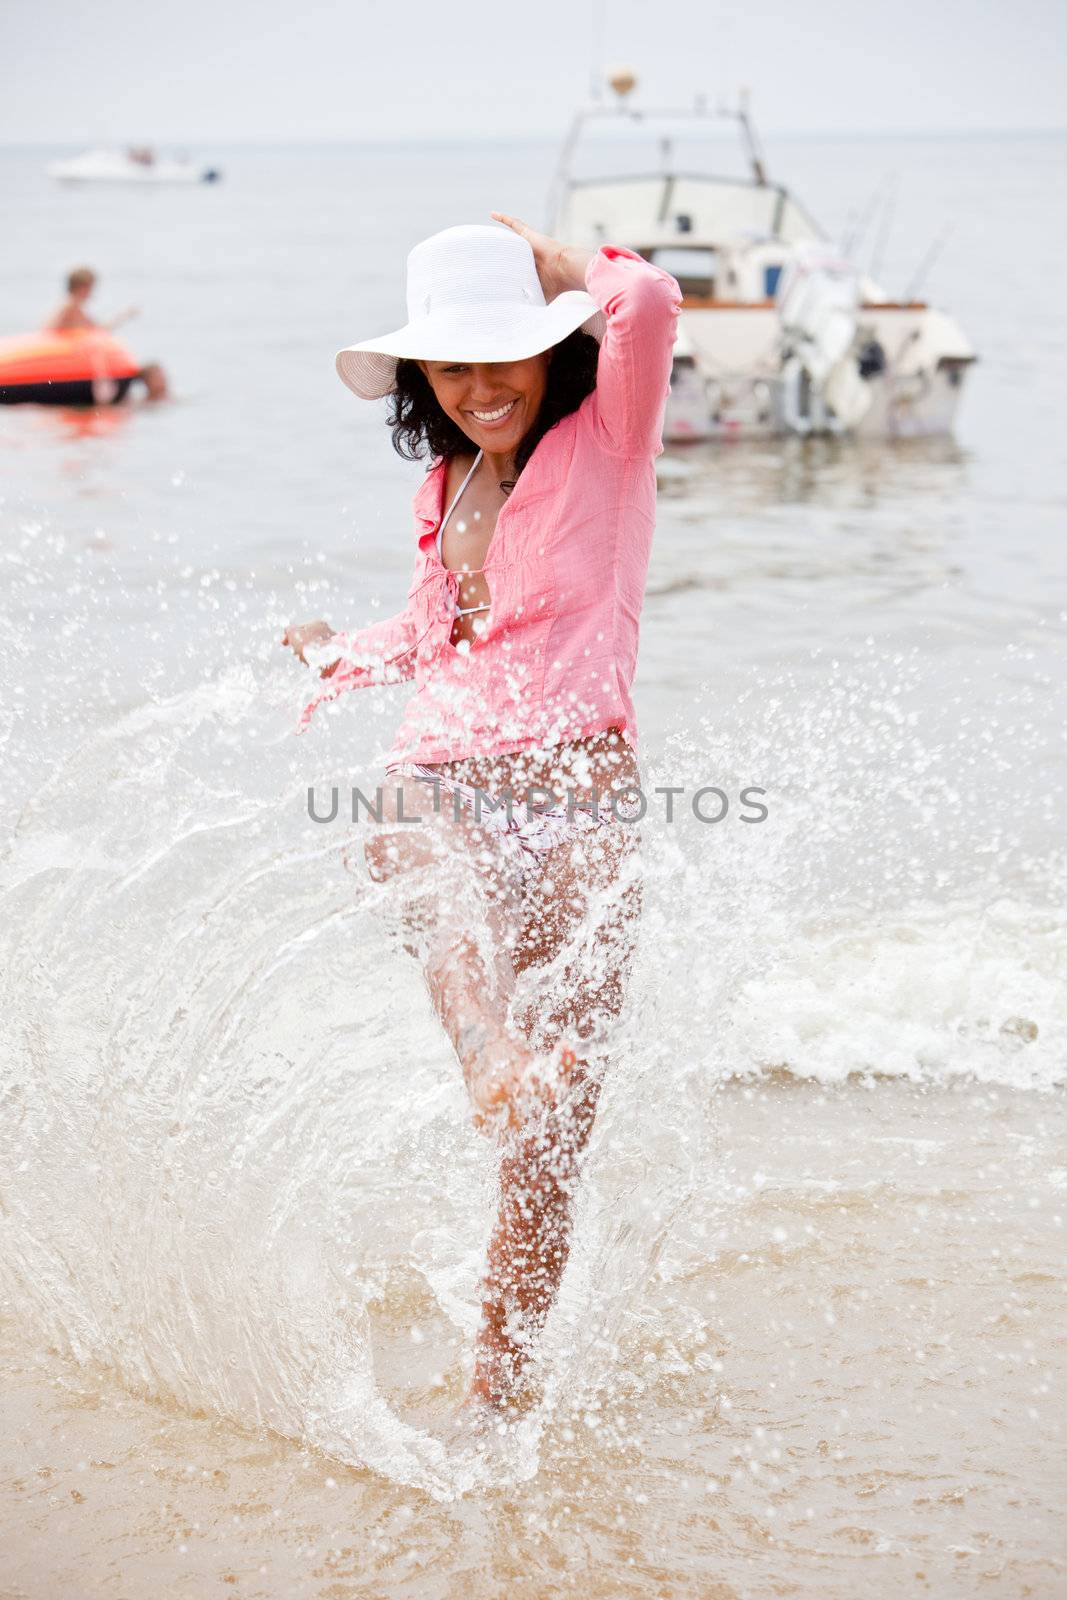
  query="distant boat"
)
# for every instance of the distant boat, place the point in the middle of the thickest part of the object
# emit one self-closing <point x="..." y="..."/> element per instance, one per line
<point x="139" y="164"/>
<point x="779" y="332"/>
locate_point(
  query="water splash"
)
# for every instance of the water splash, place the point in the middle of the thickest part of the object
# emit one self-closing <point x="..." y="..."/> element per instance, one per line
<point x="232" y="1130"/>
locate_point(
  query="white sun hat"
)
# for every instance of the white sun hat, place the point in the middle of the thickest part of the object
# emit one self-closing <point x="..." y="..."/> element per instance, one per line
<point x="473" y="295"/>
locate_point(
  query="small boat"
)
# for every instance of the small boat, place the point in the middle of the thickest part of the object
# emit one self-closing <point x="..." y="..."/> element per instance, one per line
<point x="779" y="331"/>
<point x="87" y="367"/>
<point x="139" y="164"/>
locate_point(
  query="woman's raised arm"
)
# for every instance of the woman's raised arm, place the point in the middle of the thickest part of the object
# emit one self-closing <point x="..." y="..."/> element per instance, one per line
<point x="641" y="304"/>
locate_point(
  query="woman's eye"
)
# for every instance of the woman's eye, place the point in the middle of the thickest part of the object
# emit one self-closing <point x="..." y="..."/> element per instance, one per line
<point x="455" y="369"/>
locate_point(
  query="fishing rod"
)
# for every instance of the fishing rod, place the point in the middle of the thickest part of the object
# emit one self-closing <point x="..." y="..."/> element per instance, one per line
<point x="885" y="224"/>
<point x="927" y="262"/>
<point x="862" y="220"/>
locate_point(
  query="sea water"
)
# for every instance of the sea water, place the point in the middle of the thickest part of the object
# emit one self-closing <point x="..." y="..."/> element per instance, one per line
<point x="805" y="1336"/>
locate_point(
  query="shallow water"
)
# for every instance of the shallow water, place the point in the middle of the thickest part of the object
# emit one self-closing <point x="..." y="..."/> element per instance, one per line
<point x="806" y="1341"/>
<point x="835" y="1383"/>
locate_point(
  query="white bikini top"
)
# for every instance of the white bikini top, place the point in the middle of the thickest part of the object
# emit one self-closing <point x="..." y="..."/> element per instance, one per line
<point x="461" y="611"/>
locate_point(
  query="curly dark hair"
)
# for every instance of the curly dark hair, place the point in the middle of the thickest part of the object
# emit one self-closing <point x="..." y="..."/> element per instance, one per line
<point x="420" y="427"/>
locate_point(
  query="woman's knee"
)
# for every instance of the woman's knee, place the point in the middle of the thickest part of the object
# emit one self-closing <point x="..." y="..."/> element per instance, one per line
<point x="391" y="850"/>
<point x="381" y="851"/>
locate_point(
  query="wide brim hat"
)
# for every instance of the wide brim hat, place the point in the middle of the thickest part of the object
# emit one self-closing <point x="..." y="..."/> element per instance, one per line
<point x="473" y="294"/>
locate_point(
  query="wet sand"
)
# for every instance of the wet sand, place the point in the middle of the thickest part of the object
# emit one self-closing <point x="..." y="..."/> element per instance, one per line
<point x="846" y="1379"/>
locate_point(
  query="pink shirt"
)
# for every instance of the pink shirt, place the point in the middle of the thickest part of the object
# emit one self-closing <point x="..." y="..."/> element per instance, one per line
<point x="565" y="568"/>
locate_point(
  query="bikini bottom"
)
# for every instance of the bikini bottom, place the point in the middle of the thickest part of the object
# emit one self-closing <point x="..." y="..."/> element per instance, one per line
<point x="526" y="833"/>
<point x="594" y="958"/>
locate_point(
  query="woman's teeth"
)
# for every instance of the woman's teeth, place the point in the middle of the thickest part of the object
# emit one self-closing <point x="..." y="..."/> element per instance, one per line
<point x="494" y="416"/>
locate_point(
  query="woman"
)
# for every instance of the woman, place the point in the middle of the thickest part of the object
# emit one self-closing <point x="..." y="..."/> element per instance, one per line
<point x="533" y="528"/>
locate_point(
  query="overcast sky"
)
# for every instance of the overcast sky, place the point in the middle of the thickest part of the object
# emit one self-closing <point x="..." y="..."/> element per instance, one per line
<point x="77" y="71"/>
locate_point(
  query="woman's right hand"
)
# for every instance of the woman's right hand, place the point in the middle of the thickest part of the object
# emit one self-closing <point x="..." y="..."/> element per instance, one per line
<point x="299" y="635"/>
<point x="559" y="266"/>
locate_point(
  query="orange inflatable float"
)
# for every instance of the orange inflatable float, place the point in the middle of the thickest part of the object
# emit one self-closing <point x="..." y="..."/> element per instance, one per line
<point x="87" y="367"/>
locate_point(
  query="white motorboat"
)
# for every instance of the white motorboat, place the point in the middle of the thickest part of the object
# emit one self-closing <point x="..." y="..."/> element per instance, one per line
<point x="779" y="332"/>
<point x="139" y="164"/>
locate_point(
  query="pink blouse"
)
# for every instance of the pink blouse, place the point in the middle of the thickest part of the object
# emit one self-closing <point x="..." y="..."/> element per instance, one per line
<point x="565" y="567"/>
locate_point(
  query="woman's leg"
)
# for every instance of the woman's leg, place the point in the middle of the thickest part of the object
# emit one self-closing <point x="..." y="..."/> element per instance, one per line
<point x="457" y="914"/>
<point x="580" y="929"/>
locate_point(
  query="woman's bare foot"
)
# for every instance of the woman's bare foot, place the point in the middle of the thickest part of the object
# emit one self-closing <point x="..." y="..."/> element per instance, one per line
<point x="477" y="1422"/>
<point x="480" y="1412"/>
<point x="476" y="1417"/>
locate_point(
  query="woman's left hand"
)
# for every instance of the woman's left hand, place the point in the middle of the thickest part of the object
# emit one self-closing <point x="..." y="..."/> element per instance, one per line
<point x="300" y="636"/>
<point x="559" y="266"/>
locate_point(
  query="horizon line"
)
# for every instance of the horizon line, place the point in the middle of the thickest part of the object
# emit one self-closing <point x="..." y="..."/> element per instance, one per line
<point x="251" y="141"/>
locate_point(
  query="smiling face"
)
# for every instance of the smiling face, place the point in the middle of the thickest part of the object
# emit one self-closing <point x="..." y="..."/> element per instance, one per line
<point x="495" y="403"/>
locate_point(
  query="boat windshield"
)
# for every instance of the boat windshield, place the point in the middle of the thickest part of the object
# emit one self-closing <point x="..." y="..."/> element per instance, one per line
<point x="658" y="176"/>
<point x="694" y="267"/>
<point x="616" y="147"/>
<point x="710" y="210"/>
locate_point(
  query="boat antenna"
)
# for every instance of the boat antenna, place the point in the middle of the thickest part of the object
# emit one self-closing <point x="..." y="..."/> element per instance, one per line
<point x="596" y="70"/>
<point x="927" y="262"/>
<point x="751" y="139"/>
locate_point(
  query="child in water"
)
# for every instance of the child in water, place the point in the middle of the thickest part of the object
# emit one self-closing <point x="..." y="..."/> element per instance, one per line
<point x="72" y="317"/>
